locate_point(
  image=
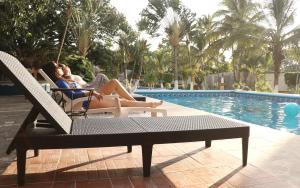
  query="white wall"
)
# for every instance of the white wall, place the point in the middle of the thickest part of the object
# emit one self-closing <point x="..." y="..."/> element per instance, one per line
<point x="228" y="77"/>
<point x="281" y="85"/>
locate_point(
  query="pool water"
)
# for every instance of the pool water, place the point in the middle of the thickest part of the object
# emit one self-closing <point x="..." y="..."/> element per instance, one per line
<point x="265" y="112"/>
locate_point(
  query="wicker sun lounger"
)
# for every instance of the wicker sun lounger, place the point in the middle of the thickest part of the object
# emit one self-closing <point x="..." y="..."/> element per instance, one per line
<point x="61" y="132"/>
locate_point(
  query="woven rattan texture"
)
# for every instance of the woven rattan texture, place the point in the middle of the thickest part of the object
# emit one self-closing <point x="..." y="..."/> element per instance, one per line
<point x="105" y="126"/>
<point x="185" y="123"/>
<point x="39" y="95"/>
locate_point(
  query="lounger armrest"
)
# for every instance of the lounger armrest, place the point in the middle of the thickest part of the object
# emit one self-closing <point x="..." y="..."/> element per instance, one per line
<point x="72" y="89"/>
<point x="69" y="107"/>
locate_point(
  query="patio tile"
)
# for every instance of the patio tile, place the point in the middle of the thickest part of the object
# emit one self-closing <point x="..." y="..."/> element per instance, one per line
<point x="115" y="152"/>
<point x="8" y="186"/>
<point x="190" y="147"/>
<point x="240" y="180"/>
<point x="65" y="176"/>
<point x="186" y="178"/>
<point x="38" y="185"/>
<point x="8" y="179"/>
<point x="214" y="157"/>
<point x="101" y="169"/>
<point x="175" y="163"/>
<point x="223" y="185"/>
<point x="121" y="183"/>
<point x="153" y="182"/>
<point x="105" y="183"/>
<point x="123" y="167"/>
<point x="70" y="184"/>
<point x="213" y="176"/>
<point x="254" y="172"/>
<point x="166" y="150"/>
<point x="276" y="184"/>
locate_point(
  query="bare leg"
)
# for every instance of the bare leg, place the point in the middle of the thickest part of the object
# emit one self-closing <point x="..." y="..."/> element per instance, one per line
<point x="124" y="102"/>
<point x="115" y="86"/>
<point x="129" y="103"/>
<point x="105" y="103"/>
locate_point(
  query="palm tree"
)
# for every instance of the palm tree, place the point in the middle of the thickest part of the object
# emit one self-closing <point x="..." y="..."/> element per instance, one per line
<point x="161" y="66"/>
<point x="141" y="47"/>
<point x="239" y="29"/>
<point x="189" y="22"/>
<point x="278" y="36"/>
<point x="85" y="19"/>
<point x="166" y="15"/>
<point x="206" y="45"/>
<point x="175" y="33"/>
<point x="125" y="53"/>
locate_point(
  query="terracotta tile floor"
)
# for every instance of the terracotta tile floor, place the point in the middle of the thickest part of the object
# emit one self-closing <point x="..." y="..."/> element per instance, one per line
<point x="273" y="160"/>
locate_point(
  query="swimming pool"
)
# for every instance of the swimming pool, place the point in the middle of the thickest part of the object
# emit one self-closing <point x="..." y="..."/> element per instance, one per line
<point x="259" y="108"/>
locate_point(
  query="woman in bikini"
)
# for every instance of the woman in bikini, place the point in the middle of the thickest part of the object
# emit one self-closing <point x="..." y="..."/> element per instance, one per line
<point x="56" y="73"/>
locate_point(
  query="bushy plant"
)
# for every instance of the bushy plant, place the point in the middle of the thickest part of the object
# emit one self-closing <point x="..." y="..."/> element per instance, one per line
<point x="168" y="85"/>
<point x="236" y="85"/>
<point x="167" y="77"/>
<point x="263" y="86"/>
<point x="80" y="66"/>
<point x="150" y="78"/>
<point x="290" y="79"/>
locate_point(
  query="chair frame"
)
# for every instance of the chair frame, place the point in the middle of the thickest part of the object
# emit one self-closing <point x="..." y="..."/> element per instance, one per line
<point x="58" y="131"/>
<point x="69" y="103"/>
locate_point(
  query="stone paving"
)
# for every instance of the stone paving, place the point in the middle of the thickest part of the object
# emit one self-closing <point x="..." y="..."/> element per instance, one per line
<point x="273" y="160"/>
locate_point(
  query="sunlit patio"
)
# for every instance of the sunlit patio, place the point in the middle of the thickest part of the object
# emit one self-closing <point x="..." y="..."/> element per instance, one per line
<point x="273" y="159"/>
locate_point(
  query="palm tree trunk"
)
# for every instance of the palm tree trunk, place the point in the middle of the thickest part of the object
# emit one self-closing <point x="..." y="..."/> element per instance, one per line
<point x="140" y="69"/>
<point x="125" y="69"/>
<point x="176" y="68"/>
<point x="277" y="58"/>
<point x="130" y="82"/>
<point x="190" y="63"/>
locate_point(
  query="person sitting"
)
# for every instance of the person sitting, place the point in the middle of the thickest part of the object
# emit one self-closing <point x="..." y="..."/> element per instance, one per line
<point x="56" y="73"/>
<point x="72" y="77"/>
<point x="100" y="83"/>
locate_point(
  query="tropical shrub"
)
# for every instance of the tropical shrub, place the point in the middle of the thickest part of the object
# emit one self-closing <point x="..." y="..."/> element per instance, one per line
<point x="150" y="78"/>
<point x="290" y="79"/>
<point x="80" y="66"/>
<point x="236" y="85"/>
<point x="263" y="86"/>
<point x="168" y="85"/>
<point x="168" y="77"/>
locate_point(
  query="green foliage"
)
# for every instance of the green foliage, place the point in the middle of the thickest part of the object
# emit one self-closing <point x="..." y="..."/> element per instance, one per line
<point x="96" y="20"/>
<point x="30" y="29"/>
<point x="80" y="66"/>
<point x="290" y="79"/>
<point x="168" y="85"/>
<point x="150" y="77"/>
<point x="106" y="59"/>
<point x="279" y="36"/>
<point x="168" y="77"/>
<point x="236" y="85"/>
<point x="263" y="86"/>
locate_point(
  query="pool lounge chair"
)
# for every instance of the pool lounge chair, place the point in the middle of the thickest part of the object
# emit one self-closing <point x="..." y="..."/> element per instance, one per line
<point x="61" y="132"/>
<point x="117" y="111"/>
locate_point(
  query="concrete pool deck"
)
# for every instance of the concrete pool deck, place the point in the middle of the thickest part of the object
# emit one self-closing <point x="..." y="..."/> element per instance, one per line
<point x="273" y="159"/>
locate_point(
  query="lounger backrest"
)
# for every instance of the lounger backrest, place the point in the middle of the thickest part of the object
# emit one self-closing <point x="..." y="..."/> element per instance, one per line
<point x="46" y="77"/>
<point x="35" y="93"/>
